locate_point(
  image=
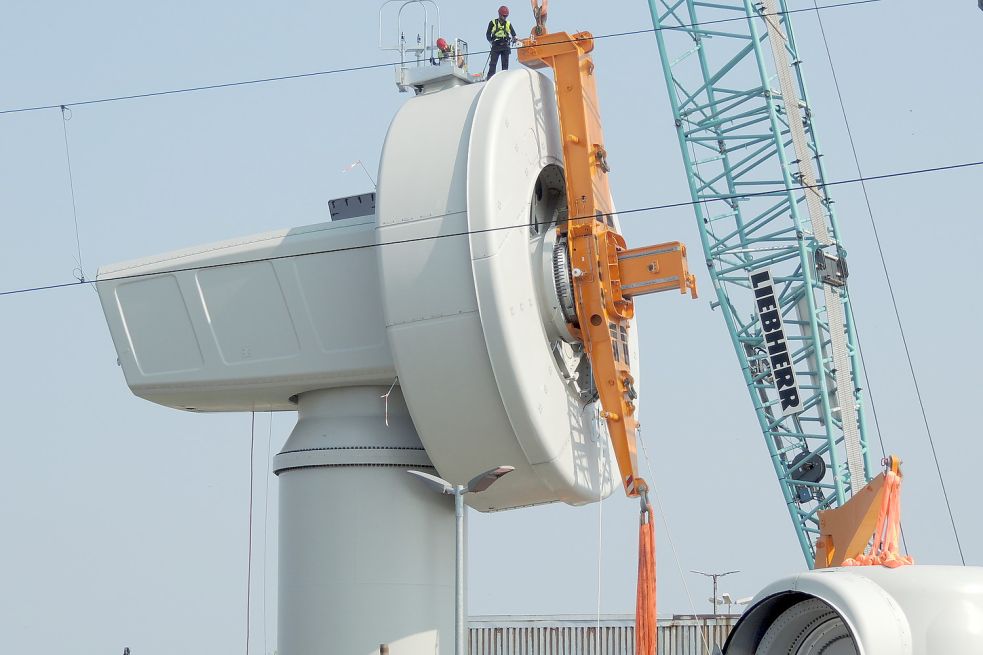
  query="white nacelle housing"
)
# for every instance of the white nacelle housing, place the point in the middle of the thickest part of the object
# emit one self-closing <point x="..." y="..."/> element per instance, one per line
<point x="449" y="287"/>
<point x="194" y="332"/>
<point x="866" y="610"/>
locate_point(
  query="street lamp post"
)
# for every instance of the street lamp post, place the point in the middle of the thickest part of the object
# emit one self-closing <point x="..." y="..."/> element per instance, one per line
<point x="479" y="483"/>
<point x="715" y="577"/>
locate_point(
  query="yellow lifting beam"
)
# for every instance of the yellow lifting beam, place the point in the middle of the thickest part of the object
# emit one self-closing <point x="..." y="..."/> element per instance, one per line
<point x="606" y="274"/>
<point x="870" y="520"/>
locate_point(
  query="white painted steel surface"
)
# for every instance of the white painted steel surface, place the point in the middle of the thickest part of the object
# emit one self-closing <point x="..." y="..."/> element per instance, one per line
<point x="319" y="319"/>
<point x="366" y="551"/>
<point x="585" y="635"/>
<point x="463" y="310"/>
<point x="193" y="331"/>
<point x="464" y="320"/>
<point x="911" y="610"/>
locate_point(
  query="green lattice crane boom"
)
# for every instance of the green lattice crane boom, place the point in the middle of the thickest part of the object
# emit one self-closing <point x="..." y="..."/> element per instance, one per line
<point x="771" y="241"/>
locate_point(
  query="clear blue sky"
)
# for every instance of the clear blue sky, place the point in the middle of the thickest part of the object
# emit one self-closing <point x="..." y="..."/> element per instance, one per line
<point x="125" y="523"/>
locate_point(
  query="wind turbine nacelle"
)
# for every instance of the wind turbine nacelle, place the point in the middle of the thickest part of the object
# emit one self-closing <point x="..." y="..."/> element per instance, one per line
<point x="866" y="610"/>
<point x="450" y="285"/>
<point x="196" y="330"/>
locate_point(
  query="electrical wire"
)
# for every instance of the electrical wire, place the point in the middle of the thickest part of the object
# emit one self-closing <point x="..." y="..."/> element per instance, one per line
<point x="204" y="87"/>
<point x="873" y="407"/>
<point x="890" y="287"/>
<point x="66" y="115"/>
<point x="350" y="69"/>
<point x="266" y="527"/>
<point x="650" y="477"/>
<point x="249" y="557"/>
<point x="688" y="26"/>
<point x="464" y="233"/>
<point x="601" y="443"/>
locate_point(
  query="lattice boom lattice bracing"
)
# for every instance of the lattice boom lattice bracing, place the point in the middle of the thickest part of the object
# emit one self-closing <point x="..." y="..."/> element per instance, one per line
<point x="755" y="171"/>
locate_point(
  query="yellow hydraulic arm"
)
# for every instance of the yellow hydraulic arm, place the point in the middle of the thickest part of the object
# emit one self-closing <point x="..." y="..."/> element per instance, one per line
<point x="606" y="273"/>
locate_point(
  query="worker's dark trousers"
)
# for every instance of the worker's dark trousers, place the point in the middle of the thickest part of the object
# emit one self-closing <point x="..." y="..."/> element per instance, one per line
<point x="496" y="52"/>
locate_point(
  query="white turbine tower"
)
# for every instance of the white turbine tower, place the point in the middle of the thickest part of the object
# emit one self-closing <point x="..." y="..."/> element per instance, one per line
<point x="447" y="284"/>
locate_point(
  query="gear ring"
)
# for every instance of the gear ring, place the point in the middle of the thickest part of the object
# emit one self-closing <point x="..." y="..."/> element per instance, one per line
<point x="563" y="280"/>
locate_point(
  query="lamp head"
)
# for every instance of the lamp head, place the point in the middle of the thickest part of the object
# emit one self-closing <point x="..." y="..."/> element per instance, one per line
<point x="481" y="482"/>
<point x="439" y="485"/>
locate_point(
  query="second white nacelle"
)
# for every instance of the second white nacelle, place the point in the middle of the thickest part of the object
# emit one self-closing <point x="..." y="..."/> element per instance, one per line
<point x="866" y="610"/>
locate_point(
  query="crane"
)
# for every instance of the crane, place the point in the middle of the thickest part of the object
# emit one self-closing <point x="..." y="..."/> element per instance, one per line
<point x="775" y="254"/>
<point x="771" y="243"/>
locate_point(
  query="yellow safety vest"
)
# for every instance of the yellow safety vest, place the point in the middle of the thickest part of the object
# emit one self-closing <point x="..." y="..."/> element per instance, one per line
<point x="501" y="30"/>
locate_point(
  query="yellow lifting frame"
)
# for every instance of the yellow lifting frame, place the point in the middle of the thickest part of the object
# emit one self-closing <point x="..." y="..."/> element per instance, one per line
<point x="845" y="531"/>
<point x="606" y="274"/>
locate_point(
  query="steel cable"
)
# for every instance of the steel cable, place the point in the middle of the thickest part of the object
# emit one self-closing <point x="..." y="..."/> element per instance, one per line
<point x="464" y="233"/>
<point x="350" y="69"/>
<point x="890" y="287"/>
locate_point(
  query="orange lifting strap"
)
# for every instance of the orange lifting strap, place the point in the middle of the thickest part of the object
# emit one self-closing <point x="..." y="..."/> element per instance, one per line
<point x="845" y="532"/>
<point x="606" y="274"/>
<point x="884" y="544"/>
<point x="646" y="632"/>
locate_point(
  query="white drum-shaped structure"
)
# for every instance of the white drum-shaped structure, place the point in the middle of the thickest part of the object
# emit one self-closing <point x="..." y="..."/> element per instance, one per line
<point x="470" y="188"/>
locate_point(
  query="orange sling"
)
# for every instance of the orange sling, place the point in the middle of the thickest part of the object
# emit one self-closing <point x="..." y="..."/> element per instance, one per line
<point x="884" y="548"/>
<point x="646" y="635"/>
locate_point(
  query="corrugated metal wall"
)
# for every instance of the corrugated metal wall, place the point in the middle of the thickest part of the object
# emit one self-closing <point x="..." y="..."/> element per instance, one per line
<point x="680" y="635"/>
<point x="561" y="640"/>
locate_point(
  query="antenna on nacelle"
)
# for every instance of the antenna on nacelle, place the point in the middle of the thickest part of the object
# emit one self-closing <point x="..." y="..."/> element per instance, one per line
<point x="425" y="42"/>
<point x="433" y="68"/>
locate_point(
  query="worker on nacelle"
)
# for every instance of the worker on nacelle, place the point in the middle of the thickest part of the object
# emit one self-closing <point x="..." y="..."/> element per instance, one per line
<point x="448" y="52"/>
<point x="444" y="47"/>
<point x="500" y="34"/>
<point x="445" y="52"/>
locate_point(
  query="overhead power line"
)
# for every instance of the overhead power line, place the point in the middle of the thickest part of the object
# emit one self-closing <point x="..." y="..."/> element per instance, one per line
<point x="249" y="548"/>
<point x="463" y="233"/>
<point x="351" y="69"/>
<point x="894" y="300"/>
<point x="66" y="115"/>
